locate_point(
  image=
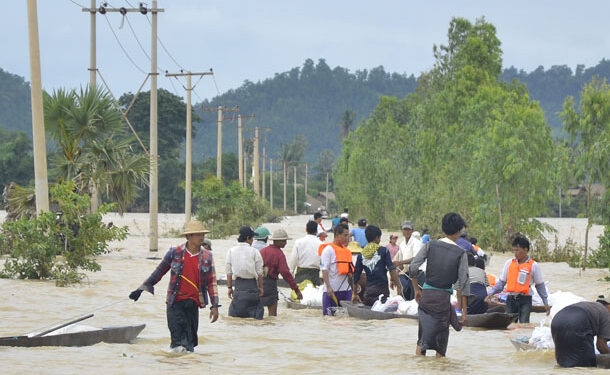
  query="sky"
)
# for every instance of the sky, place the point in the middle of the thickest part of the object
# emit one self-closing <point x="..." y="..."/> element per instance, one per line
<point x="253" y="40"/>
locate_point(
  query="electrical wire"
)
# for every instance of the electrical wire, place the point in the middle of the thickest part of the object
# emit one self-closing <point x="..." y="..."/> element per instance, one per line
<point x="136" y="38"/>
<point x="80" y="5"/>
<point x="123" y="48"/>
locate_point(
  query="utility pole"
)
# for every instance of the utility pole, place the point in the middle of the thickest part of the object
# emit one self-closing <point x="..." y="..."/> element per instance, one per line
<point x="326" y="204"/>
<point x="255" y="163"/>
<point x="153" y="199"/>
<point x="295" y="189"/>
<point x="103" y="9"/>
<point x="219" y="141"/>
<point x="305" y="181"/>
<point x="271" y="183"/>
<point x="285" y="183"/>
<point x="264" y="155"/>
<point x="189" y="137"/>
<point x="41" y="183"/>
<point x="242" y="179"/>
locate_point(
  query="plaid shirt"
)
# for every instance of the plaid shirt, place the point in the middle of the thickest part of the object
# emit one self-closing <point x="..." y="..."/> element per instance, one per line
<point x="174" y="260"/>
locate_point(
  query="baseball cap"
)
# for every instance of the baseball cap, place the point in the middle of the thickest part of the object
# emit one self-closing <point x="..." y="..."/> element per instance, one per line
<point x="361" y="222"/>
<point x="246" y="231"/>
<point x="603" y="300"/>
<point x="406" y="225"/>
<point x="261" y="233"/>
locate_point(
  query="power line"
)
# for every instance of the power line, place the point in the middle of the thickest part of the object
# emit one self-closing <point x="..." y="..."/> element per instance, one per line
<point x="136" y="38"/>
<point x="218" y="91"/>
<point x="74" y="2"/>
<point x="121" y="45"/>
<point x="163" y="46"/>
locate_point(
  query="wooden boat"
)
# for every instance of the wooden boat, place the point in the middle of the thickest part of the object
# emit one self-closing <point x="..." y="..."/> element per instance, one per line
<point x="364" y="312"/>
<point x="535" y="308"/>
<point x="494" y="320"/>
<point x="111" y="335"/>
<point x="299" y="306"/>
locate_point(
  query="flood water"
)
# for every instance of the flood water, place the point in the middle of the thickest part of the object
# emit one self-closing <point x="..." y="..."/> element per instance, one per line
<point x="293" y="342"/>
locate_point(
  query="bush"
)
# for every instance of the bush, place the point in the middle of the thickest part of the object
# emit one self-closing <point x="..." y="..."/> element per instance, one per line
<point x="58" y="246"/>
<point x="225" y="208"/>
<point x="601" y="257"/>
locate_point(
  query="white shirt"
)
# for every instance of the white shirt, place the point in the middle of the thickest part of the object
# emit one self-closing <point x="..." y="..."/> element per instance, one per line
<point x="305" y="253"/>
<point x="320" y="228"/>
<point x="408" y="250"/>
<point x="345" y="215"/>
<point x="244" y="261"/>
<point x="328" y="262"/>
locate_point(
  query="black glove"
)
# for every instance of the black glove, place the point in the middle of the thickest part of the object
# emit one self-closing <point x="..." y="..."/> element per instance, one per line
<point x="135" y="294"/>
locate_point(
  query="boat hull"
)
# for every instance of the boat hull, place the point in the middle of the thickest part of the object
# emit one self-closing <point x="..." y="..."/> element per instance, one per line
<point x="361" y="311"/>
<point x="494" y="320"/>
<point x="111" y="335"/>
<point x="299" y="306"/>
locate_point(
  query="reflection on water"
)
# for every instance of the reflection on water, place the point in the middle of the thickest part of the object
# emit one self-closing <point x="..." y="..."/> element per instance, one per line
<point x="293" y="342"/>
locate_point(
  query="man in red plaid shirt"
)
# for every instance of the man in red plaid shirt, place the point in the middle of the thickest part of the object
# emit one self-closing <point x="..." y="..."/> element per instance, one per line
<point x="192" y="286"/>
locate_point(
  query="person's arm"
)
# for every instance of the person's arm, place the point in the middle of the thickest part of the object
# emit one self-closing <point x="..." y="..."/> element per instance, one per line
<point x="258" y="264"/>
<point x="463" y="284"/>
<point x="394" y="280"/>
<point x="293" y="258"/>
<point x="358" y="268"/>
<point x="286" y="275"/>
<point x="213" y="291"/>
<point x="149" y="284"/>
<point x="329" y="289"/>
<point x="602" y="345"/>
<point x="501" y="282"/>
<point x="418" y="260"/>
<point x="540" y="286"/>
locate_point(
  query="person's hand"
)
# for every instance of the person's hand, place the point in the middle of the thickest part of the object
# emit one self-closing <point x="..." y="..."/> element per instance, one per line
<point x="299" y="295"/>
<point x="213" y="314"/>
<point x="356" y="298"/>
<point x="548" y="310"/>
<point x="135" y="294"/>
<point x="330" y="293"/>
<point x="230" y="293"/>
<point x="417" y="295"/>
<point x="488" y="298"/>
<point x="261" y="291"/>
<point x="464" y="318"/>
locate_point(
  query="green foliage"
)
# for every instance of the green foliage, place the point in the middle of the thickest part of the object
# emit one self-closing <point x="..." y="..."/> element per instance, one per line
<point x="94" y="149"/>
<point x="601" y="257"/>
<point x="16" y="161"/>
<point x="225" y="208"/>
<point x="15" y="107"/>
<point x="58" y="247"/>
<point x="591" y="127"/>
<point x="464" y="143"/>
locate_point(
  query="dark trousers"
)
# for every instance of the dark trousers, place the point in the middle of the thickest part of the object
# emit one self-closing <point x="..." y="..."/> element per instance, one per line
<point x="183" y="322"/>
<point x="519" y="304"/>
<point x="407" y="287"/>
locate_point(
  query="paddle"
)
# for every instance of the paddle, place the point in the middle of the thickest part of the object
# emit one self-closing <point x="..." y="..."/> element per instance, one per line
<point x="286" y="297"/>
<point x="64" y="325"/>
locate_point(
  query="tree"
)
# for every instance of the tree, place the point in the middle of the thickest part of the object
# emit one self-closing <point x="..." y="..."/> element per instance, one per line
<point x="16" y="161"/>
<point x="95" y="151"/>
<point x="591" y="128"/>
<point x="347" y="120"/>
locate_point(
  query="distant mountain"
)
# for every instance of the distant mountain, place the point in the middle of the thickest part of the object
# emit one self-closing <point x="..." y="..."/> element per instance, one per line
<point x="311" y="99"/>
<point x="308" y="100"/>
<point x="15" y="107"/>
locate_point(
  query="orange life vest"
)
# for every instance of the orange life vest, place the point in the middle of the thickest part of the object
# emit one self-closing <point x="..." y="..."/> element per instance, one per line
<point x="344" y="258"/>
<point x="476" y="248"/>
<point x="492" y="279"/>
<point x="512" y="284"/>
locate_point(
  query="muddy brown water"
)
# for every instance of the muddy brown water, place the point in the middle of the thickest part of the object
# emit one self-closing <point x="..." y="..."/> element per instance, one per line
<point x="293" y="342"/>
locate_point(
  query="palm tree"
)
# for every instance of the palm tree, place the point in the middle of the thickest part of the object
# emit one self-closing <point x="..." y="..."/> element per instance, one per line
<point x="95" y="149"/>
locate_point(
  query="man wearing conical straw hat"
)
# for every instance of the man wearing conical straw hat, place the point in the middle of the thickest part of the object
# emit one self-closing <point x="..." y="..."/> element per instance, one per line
<point x="191" y="287"/>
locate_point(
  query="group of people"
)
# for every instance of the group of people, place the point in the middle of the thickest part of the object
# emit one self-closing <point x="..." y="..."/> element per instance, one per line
<point x="355" y="267"/>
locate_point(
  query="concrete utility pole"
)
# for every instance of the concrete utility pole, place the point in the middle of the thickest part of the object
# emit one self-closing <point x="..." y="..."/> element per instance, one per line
<point x="295" y="188"/>
<point x="326" y="204"/>
<point x="153" y="198"/>
<point x="41" y="183"/>
<point x="255" y="166"/>
<point x="189" y="137"/>
<point x="92" y="39"/>
<point x="242" y="179"/>
<point x="264" y="155"/>
<point x="220" y="110"/>
<point x="305" y="181"/>
<point x="271" y="183"/>
<point x="285" y="183"/>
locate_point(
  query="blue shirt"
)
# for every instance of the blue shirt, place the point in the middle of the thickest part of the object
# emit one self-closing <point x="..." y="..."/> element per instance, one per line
<point x="465" y="244"/>
<point x="376" y="268"/>
<point x="336" y="221"/>
<point x="359" y="236"/>
<point x="425" y="238"/>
